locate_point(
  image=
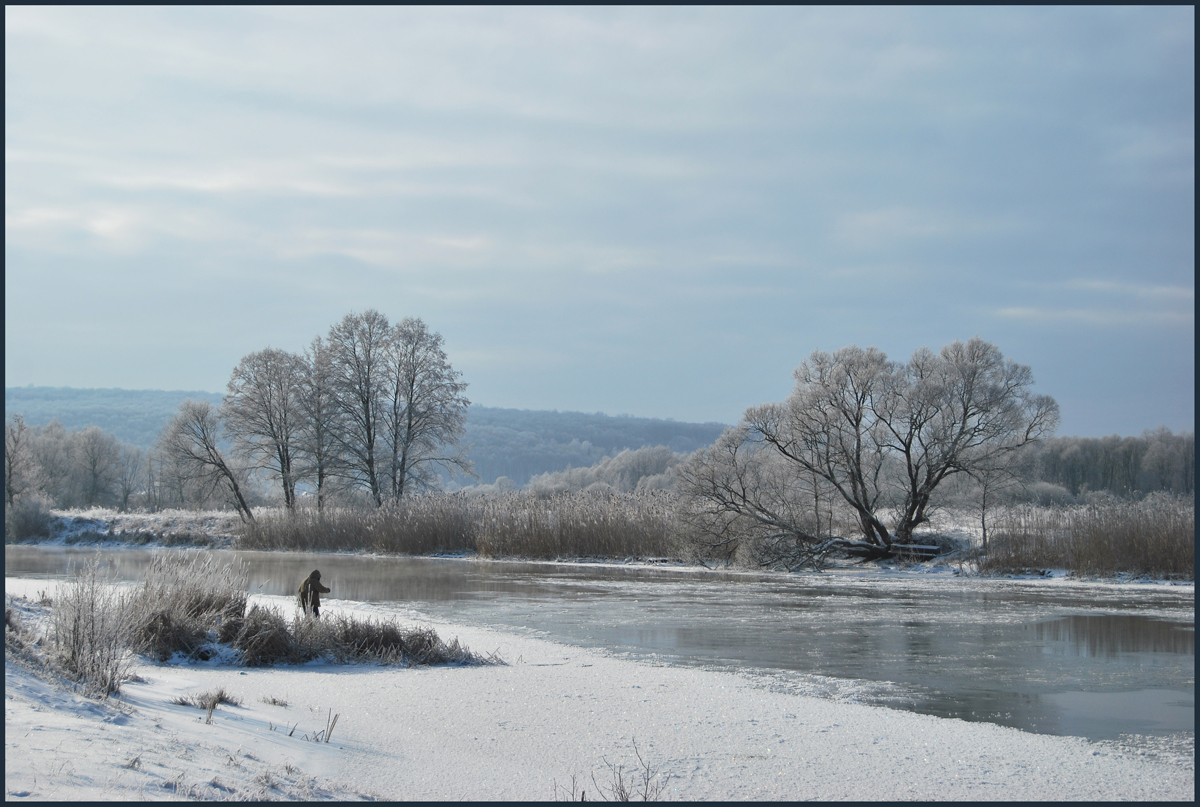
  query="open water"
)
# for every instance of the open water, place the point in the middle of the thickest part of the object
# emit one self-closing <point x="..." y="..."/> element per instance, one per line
<point x="1085" y="659"/>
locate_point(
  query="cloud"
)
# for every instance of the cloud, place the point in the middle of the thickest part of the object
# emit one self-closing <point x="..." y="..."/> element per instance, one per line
<point x="1135" y="290"/>
<point x="903" y="226"/>
<point x="1104" y="317"/>
<point x="742" y="184"/>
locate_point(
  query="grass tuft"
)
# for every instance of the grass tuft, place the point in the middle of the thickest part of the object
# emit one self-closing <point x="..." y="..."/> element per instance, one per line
<point x="207" y="700"/>
<point x="264" y="639"/>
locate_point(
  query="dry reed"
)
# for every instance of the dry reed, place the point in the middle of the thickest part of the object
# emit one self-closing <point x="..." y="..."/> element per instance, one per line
<point x="90" y="630"/>
<point x="184" y="603"/>
<point x="1155" y="536"/>
<point x="515" y="524"/>
<point x="191" y="605"/>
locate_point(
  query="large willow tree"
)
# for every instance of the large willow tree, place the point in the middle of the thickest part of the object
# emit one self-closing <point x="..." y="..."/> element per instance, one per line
<point x="873" y="433"/>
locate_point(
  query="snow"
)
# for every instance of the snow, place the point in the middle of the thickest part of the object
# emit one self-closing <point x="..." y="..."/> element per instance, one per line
<point x="107" y="527"/>
<point x="518" y="730"/>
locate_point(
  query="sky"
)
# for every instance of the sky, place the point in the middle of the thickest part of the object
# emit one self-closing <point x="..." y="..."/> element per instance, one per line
<point x="656" y="212"/>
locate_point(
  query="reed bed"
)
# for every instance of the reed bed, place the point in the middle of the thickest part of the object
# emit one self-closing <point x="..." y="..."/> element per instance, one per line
<point x="197" y="607"/>
<point x="184" y="602"/>
<point x="514" y="524"/>
<point x="1155" y="536"/>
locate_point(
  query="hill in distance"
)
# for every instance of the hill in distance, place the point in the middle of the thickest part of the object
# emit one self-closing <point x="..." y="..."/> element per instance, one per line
<point x="517" y="443"/>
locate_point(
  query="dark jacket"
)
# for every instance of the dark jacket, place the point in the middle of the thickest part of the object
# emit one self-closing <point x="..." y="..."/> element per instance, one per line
<point x="311" y="591"/>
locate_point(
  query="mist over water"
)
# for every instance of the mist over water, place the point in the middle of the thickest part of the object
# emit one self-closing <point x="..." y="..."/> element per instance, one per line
<point x="1097" y="661"/>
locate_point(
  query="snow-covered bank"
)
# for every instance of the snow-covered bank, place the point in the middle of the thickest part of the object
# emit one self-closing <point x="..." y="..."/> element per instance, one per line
<point x="512" y="732"/>
<point x="102" y="526"/>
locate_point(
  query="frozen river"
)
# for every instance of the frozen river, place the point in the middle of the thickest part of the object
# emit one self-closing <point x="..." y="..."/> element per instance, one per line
<point x="1052" y="657"/>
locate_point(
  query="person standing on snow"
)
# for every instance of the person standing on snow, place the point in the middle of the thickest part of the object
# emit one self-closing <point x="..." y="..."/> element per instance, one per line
<point x="310" y="593"/>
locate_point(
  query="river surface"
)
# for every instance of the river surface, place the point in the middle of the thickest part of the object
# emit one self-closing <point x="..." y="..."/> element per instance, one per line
<point x="1053" y="657"/>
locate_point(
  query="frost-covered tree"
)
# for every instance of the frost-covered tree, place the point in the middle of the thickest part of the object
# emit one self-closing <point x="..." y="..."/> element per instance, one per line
<point x="645" y="468"/>
<point x="318" y="433"/>
<point x="97" y="456"/>
<point x="190" y="444"/>
<point x="878" y="433"/>
<point x="1169" y="461"/>
<point x="52" y="451"/>
<point x="131" y="474"/>
<point x="425" y="409"/>
<point x="20" y="470"/>
<point x="264" y="414"/>
<point x="359" y="359"/>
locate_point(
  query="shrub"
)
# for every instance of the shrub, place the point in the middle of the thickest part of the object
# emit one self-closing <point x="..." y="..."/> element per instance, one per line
<point x="26" y="519"/>
<point x="348" y="640"/>
<point x="164" y="633"/>
<point x="388" y="643"/>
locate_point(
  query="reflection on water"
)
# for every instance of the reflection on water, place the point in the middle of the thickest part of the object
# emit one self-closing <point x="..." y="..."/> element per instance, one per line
<point x="1060" y="659"/>
<point x="1112" y="635"/>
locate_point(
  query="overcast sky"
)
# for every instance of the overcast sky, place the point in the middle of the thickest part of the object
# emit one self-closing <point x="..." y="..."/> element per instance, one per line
<point x="653" y="212"/>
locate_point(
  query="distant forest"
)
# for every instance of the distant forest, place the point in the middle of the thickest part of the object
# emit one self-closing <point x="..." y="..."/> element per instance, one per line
<point x="525" y="445"/>
<point x="516" y="443"/>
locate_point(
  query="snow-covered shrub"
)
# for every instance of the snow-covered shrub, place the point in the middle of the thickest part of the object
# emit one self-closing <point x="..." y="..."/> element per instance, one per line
<point x="389" y="643"/>
<point x="1048" y="494"/>
<point x="267" y="639"/>
<point x="27" y="518"/>
<point x="165" y="633"/>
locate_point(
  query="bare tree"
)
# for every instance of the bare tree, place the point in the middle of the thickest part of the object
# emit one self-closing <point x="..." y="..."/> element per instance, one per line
<point x="130" y="474"/>
<point x="97" y="457"/>
<point x="426" y="409"/>
<point x="167" y="483"/>
<point x="264" y="416"/>
<point x="156" y="483"/>
<point x="742" y="494"/>
<point x="20" y="470"/>
<point x="878" y="433"/>
<point x="358" y="349"/>
<point x="190" y="440"/>
<point x="318" y="431"/>
<point x="827" y="428"/>
<point x="52" y="453"/>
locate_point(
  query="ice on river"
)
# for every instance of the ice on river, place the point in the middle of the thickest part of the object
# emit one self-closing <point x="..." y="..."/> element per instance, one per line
<point x="516" y="731"/>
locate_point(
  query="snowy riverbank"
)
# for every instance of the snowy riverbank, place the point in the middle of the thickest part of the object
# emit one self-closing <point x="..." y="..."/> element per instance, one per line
<point x="514" y="731"/>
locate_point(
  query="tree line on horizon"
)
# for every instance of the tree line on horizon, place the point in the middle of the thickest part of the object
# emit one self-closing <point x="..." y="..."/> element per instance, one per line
<point x="517" y="443"/>
<point x="373" y="412"/>
<point x="89" y="467"/>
